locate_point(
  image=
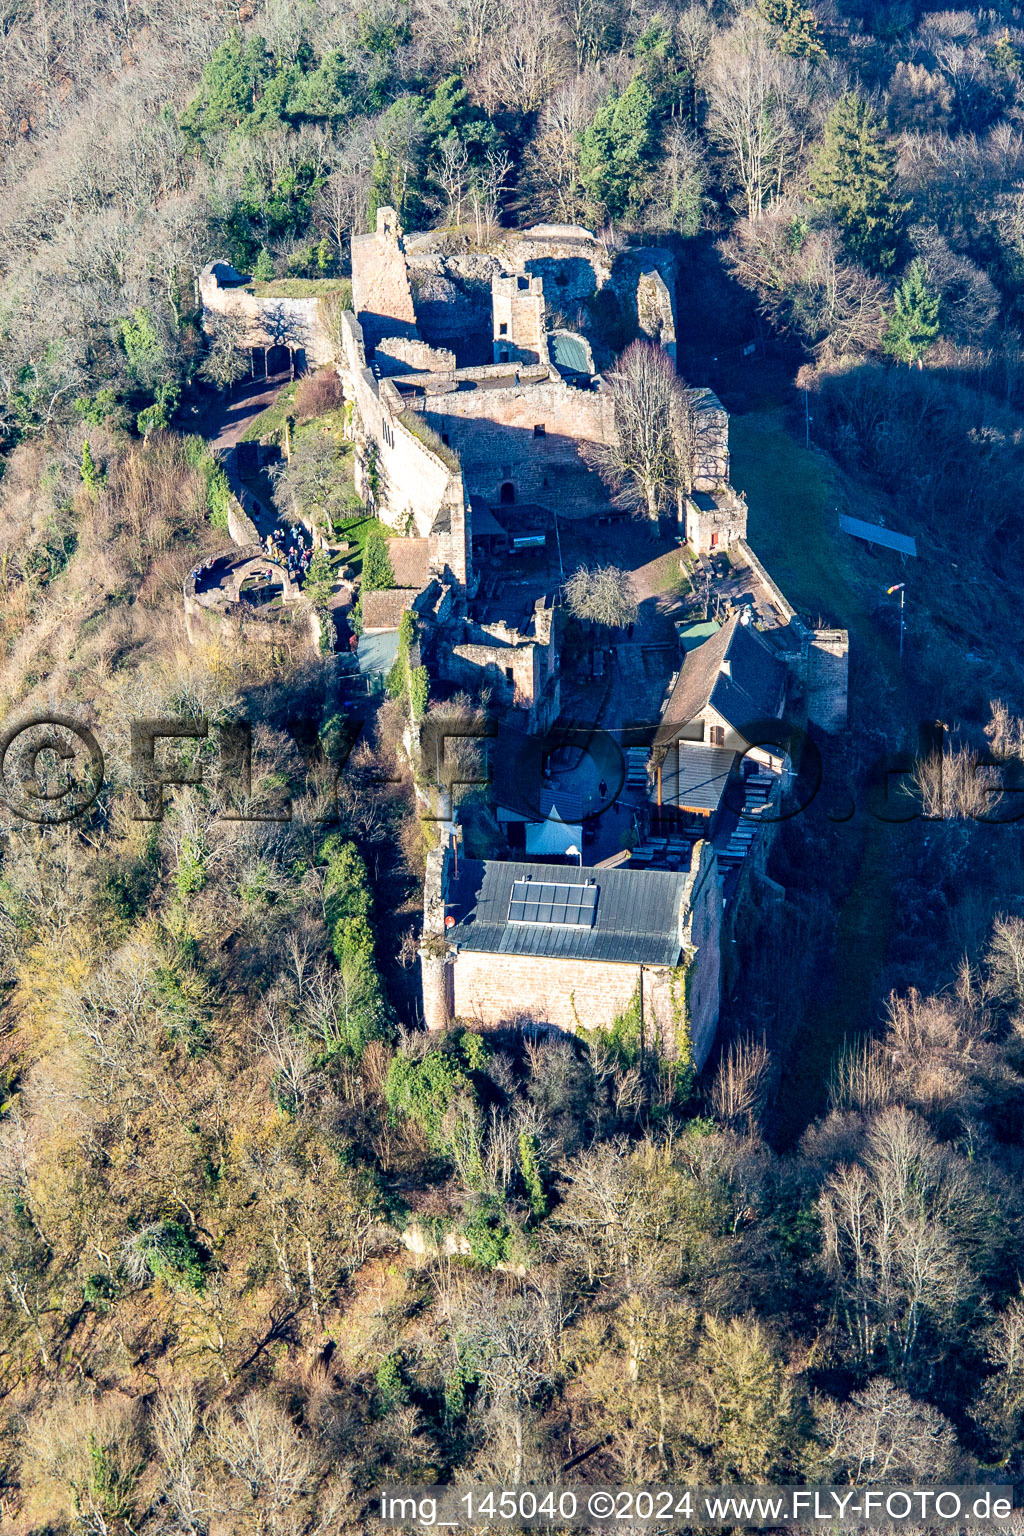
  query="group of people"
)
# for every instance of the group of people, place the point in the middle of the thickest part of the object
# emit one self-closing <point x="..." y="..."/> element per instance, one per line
<point x="289" y="547"/>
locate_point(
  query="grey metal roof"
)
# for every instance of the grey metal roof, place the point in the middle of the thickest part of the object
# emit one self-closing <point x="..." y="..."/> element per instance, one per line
<point x="636" y="921"/>
<point x="694" y="776"/>
<point x="692" y="635"/>
<point x="904" y="542"/>
<point x="376" y="654"/>
<point x="734" y="671"/>
<point x="570" y="353"/>
<point x="566" y="804"/>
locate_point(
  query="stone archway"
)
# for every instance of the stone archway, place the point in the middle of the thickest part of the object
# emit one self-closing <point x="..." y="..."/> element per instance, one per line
<point x="507" y="494"/>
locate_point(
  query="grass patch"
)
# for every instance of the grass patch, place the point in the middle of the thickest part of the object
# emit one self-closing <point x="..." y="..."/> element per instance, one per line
<point x="356" y="530"/>
<point x="414" y="422"/>
<point x="303" y="288"/>
<point x="269" y="424"/>
<point x="793" y="525"/>
<point x="331" y="422"/>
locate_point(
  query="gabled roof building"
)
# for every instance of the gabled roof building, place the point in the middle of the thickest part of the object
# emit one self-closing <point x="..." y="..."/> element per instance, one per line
<point x="574" y="948"/>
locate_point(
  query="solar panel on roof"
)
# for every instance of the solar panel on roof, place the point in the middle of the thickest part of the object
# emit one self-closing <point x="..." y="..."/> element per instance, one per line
<point x="540" y="901"/>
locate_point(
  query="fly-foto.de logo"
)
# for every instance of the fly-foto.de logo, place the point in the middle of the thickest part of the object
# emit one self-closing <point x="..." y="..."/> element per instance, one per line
<point x="52" y="770"/>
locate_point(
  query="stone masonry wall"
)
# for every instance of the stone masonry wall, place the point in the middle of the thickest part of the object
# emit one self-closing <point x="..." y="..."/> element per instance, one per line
<point x="703" y="933"/>
<point x="415" y="482"/>
<point x="713" y="463"/>
<point x="718" y="528"/>
<point x="518" y="310"/>
<point x="381" y="294"/>
<point x="492" y="430"/>
<point x="826" y="678"/>
<point x="292" y="323"/>
<point x="569" y="994"/>
<point x="401" y="354"/>
<point x="488" y="666"/>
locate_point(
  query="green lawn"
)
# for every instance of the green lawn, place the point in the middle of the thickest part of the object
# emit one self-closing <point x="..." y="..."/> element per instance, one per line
<point x="793" y="524"/>
<point x="356" y="530"/>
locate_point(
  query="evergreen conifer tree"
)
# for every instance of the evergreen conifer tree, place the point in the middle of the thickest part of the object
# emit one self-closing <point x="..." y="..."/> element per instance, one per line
<point x="91" y="475"/>
<point x="617" y="150"/>
<point x="855" y="174"/>
<point x="263" y="271"/>
<point x="915" y="322"/>
<point x="795" y="27"/>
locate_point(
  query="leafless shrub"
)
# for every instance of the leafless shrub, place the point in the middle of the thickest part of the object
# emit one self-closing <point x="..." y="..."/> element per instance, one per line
<point x="740" y="1088"/>
<point x="861" y="1077"/>
<point x="318" y="393"/>
<point x="955" y="786"/>
<point x="602" y="594"/>
<point x="268" y="1463"/>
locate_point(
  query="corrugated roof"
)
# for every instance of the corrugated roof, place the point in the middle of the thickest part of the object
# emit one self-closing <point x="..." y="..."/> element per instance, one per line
<point x="750" y="688"/>
<point x="375" y="654"/>
<point x="636" y="921"/>
<point x="694" y="777"/>
<point x="570" y="353"/>
<point x="692" y="635"/>
<point x="904" y="542"/>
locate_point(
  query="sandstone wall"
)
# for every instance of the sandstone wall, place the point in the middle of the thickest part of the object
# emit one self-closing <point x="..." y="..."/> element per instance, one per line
<point x="401" y="354"/>
<point x="703" y="933"/>
<point x="826" y="678"/>
<point x="293" y="323"/>
<point x="489" y="666"/>
<point x="493" y="432"/>
<point x="727" y="520"/>
<point x="569" y="994"/>
<point x="712" y="466"/>
<point x="381" y="294"/>
<point x="518" y="310"/>
<point x="414" y="483"/>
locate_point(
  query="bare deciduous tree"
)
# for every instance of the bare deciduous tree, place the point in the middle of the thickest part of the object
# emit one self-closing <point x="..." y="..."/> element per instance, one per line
<point x="804" y="284"/>
<point x="883" y="1435"/>
<point x="601" y="594"/>
<point x="762" y="104"/>
<point x="893" y="1226"/>
<point x="741" y="1084"/>
<point x="228" y="358"/>
<point x="651" y="457"/>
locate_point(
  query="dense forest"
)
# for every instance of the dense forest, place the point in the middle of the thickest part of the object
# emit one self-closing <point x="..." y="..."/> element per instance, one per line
<point x="218" y="1117"/>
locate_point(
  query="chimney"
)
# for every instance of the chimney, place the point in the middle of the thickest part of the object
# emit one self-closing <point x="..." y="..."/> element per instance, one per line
<point x="725" y="667"/>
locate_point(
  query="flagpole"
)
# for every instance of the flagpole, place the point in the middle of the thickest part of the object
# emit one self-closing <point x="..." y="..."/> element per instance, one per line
<point x="901" y="589"/>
